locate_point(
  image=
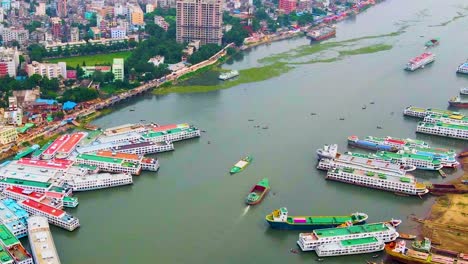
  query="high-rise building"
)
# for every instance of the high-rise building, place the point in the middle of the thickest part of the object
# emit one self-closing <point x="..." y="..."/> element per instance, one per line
<point x="56" y="27"/>
<point x="49" y="70"/>
<point x="62" y="8"/>
<point x="118" y="69"/>
<point x="74" y="34"/>
<point x="199" y="20"/>
<point x="287" y="6"/>
<point x="41" y="9"/>
<point x="9" y="62"/>
<point x="136" y="15"/>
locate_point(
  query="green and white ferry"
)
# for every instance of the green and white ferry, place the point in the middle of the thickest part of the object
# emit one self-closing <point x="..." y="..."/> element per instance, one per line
<point x="422" y="162"/>
<point x="350" y="247"/>
<point x="383" y="231"/>
<point x="444" y="130"/>
<point x="171" y="133"/>
<point x="423" y="112"/>
<point x="457" y="119"/>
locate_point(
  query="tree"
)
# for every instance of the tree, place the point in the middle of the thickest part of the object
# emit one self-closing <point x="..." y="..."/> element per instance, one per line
<point x="79" y="71"/>
<point x="108" y="77"/>
<point x="204" y="53"/>
<point x="79" y="94"/>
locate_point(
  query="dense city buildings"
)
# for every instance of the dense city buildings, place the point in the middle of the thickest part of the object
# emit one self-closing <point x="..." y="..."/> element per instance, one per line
<point x="62" y="8"/>
<point x="199" y="20"/>
<point x="287" y="6"/>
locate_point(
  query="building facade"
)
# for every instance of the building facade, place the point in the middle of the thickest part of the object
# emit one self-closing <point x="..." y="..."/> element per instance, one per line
<point x="50" y="70"/>
<point x="12" y="34"/>
<point x="287" y="6"/>
<point x="62" y="8"/>
<point x="118" y="33"/>
<point x="9" y="62"/>
<point x="118" y="69"/>
<point x="8" y="134"/>
<point x="199" y="20"/>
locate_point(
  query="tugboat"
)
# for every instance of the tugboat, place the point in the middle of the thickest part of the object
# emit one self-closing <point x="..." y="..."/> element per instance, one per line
<point x="258" y="192"/>
<point x="458" y="102"/>
<point x="241" y="164"/>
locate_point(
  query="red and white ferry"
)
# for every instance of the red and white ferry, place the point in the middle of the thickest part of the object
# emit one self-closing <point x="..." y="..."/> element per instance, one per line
<point x="54" y="216"/>
<point x="50" y="152"/>
<point x="420" y="61"/>
<point x="68" y="146"/>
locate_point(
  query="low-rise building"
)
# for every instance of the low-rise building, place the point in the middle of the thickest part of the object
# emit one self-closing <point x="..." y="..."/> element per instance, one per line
<point x="8" y="134"/>
<point x="118" y="33"/>
<point x="159" y="20"/>
<point x="156" y="61"/>
<point x="15" y="34"/>
<point x="50" y="70"/>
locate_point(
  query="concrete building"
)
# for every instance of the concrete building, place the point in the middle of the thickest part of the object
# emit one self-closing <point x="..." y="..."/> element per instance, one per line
<point x="74" y="34"/>
<point x="41" y="9"/>
<point x="50" y="70"/>
<point x="159" y="20"/>
<point x="149" y="8"/>
<point x="94" y="33"/>
<point x="9" y="62"/>
<point x="62" y="10"/>
<point x="6" y="4"/>
<point x="118" y="33"/>
<point x="2" y="13"/>
<point x="136" y="15"/>
<point x="56" y="27"/>
<point x="12" y="34"/>
<point x="156" y="61"/>
<point x="8" y="134"/>
<point x="287" y="6"/>
<point x="199" y="20"/>
<point x="118" y="69"/>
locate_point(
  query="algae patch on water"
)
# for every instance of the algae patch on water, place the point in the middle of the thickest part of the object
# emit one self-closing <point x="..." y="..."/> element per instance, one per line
<point x="366" y="50"/>
<point x="246" y="76"/>
<point x="458" y="16"/>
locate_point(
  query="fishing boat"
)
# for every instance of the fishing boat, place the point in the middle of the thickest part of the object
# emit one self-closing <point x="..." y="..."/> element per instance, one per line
<point x="241" y="164"/>
<point x="258" y="192"/>
<point x="420" y="61"/>
<point x="432" y="42"/>
<point x="228" y="75"/>
<point x="407" y="236"/>
<point x="398" y="251"/>
<point x="281" y="220"/>
<point x="422" y="246"/>
<point x="25" y="152"/>
<point x="458" y="102"/>
<point x="327" y="151"/>
<point x="464" y="91"/>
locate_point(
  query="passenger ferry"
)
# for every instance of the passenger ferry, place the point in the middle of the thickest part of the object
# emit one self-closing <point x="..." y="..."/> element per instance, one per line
<point x="311" y="241"/>
<point x="51" y="151"/>
<point x="5" y="258"/>
<point x="171" y="133"/>
<point x="54" y="216"/>
<point x="110" y="164"/>
<point x="126" y="128"/>
<point x="143" y="148"/>
<point x="370" y="143"/>
<point x="357" y="161"/>
<point x="376" y="180"/>
<point x="69" y="146"/>
<point x="327" y="152"/>
<point x="14" y="247"/>
<point x="14" y="217"/>
<point x="38" y="152"/>
<point x="19" y="193"/>
<point x="443" y="129"/>
<point x="423" y="112"/>
<point x="281" y="220"/>
<point x="350" y="247"/>
<point x="99" y="181"/>
<point x="457" y="119"/>
<point x="447" y="157"/>
<point x="41" y="241"/>
<point x="422" y="162"/>
<point x="463" y="68"/>
<point x="420" y="61"/>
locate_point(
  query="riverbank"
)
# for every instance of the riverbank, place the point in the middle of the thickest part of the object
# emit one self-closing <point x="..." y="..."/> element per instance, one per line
<point x="447" y="223"/>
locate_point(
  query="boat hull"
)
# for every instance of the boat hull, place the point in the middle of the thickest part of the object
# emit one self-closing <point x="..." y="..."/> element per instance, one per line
<point x="377" y="147"/>
<point x="288" y="226"/>
<point x="459" y="104"/>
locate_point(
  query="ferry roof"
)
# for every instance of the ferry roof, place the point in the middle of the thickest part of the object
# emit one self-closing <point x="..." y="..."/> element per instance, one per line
<point x="134" y="145"/>
<point x="7" y="215"/>
<point x="366" y="161"/>
<point x="26" y="194"/>
<point x="53" y="148"/>
<point x="169" y="127"/>
<point x="15" y="208"/>
<point x="388" y="176"/>
<point x="444" y="125"/>
<point x="72" y="142"/>
<point x="119" y="155"/>
<point x="43" y="208"/>
<point x="357" y="229"/>
<point x="119" y="137"/>
<point x="99" y="146"/>
<point x="94" y="157"/>
<point x="14" y="170"/>
<point x="39" y="152"/>
<point x="5" y="257"/>
<point x="25" y="183"/>
<point x="170" y="131"/>
<point x="416" y="109"/>
<point x="122" y="129"/>
<point x="455" y="117"/>
<point x="407" y="155"/>
<point x="61" y="164"/>
<point x="439" y="111"/>
<point x="358" y="241"/>
<point x="100" y="176"/>
<point x="42" y="241"/>
<point x="7" y="238"/>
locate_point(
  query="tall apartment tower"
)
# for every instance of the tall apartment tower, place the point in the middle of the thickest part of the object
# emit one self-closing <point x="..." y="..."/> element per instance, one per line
<point x="62" y="8"/>
<point x="199" y="20"/>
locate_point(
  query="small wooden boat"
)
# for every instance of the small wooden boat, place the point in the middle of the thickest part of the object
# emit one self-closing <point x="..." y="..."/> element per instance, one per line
<point x="432" y="43"/>
<point x="258" y="192"/>
<point x="241" y="164"/>
<point x="406" y="236"/>
<point x="394" y="222"/>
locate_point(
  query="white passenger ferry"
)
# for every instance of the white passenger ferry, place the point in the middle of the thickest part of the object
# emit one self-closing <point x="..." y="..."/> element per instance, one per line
<point x="99" y="181"/>
<point x="327" y="152"/>
<point x="444" y="130"/>
<point x="422" y="162"/>
<point x="143" y="148"/>
<point x="41" y="241"/>
<point x="456" y="119"/>
<point x="14" y="217"/>
<point x="311" y="241"/>
<point x="350" y="247"/>
<point x="423" y="112"/>
<point x="376" y="180"/>
<point x="54" y="216"/>
<point x="171" y="133"/>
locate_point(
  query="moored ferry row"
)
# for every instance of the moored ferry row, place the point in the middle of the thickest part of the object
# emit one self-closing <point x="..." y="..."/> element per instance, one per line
<point x="13" y="247"/>
<point x="350" y="247"/>
<point x="385" y="143"/>
<point x="99" y="181"/>
<point x="41" y="242"/>
<point x="423" y="112"/>
<point x="457" y="119"/>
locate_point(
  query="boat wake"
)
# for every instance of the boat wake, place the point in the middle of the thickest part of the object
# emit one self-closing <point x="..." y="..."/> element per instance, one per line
<point x="246" y="209"/>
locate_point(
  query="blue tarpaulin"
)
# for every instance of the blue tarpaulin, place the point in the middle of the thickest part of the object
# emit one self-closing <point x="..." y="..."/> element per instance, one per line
<point x="47" y="101"/>
<point x="68" y="105"/>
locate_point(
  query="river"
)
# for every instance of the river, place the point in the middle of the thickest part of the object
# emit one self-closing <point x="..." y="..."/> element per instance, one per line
<point x="193" y="211"/>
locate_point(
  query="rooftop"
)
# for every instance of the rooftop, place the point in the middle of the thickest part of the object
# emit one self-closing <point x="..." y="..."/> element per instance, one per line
<point x="358" y="241"/>
<point x="56" y="145"/>
<point x="42" y="241"/>
<point x="94" y="157"/>
<point x="43" y="208"/>
<point x="357" y="229"/>
<point x="25" y="193"/>
<point x="372" y="173"/>
<point x="119" y="155"/>
<point x="5" y="257"/>
<point x="71" y="143"/>
<point x="50" y="164"/>
<point x="25" y="183"/>
<point x="7" y="238"/>
<point x="119" y="137"/>
<point x="417" y="109"/>
<point x="443" y="125"/>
